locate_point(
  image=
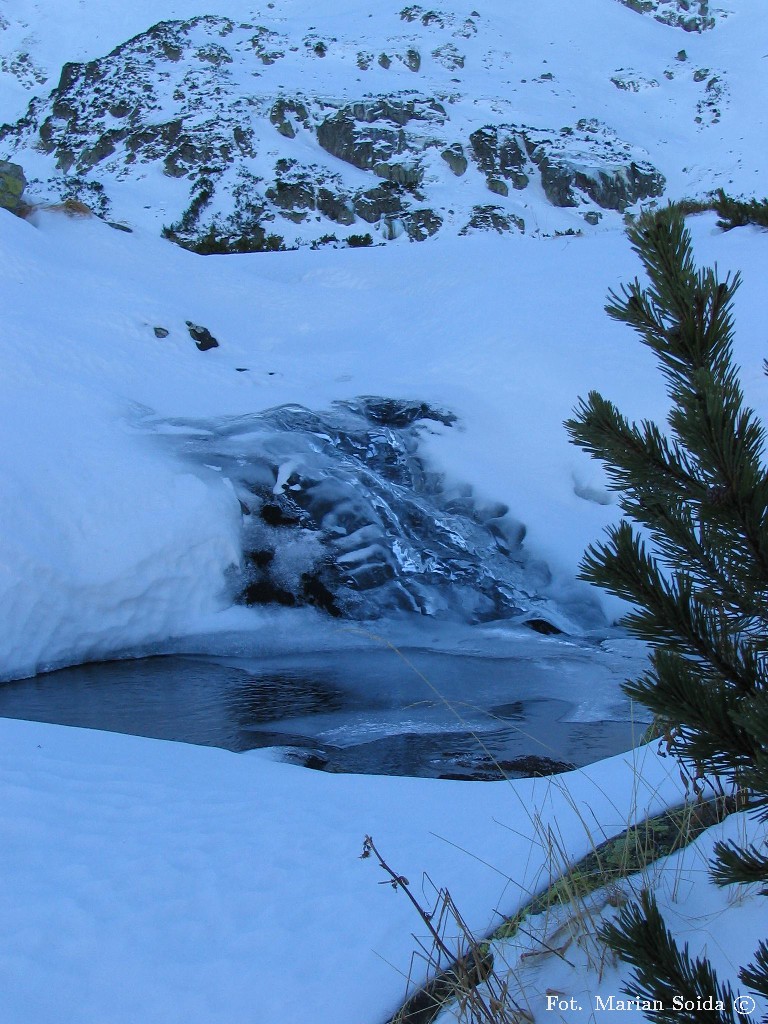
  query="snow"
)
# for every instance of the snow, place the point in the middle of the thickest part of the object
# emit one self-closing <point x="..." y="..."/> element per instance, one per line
<point x="155" y="881"/>
<point x="161" y="882"/>
<point x="141" y="554"/>
<point x="150" y="881"/>
<point x="465" y="324"/>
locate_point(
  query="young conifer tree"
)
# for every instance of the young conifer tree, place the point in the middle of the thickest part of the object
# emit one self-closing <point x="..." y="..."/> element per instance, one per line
<point x="691" y="556"/>
<point x="735" y="213"/>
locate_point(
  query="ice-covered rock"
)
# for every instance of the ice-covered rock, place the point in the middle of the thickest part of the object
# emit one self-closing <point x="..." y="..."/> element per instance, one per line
<point x="588" y="160"/>
<point x="341" y="512"/>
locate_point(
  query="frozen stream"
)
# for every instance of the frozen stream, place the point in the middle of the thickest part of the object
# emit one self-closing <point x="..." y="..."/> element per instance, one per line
<point x="489" y="665"/>
<point x="526" y="705"/>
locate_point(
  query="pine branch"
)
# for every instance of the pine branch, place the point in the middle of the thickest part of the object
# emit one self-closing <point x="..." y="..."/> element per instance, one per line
<point x="756" y="974"/>
<point x="753" y="717"/>
<point x="662" y="972"/>
<point x="668" y="611"/>
<point x="691" y="545"/>
<point x="677" y="694"/>
<point x="736" y="213"/>
<point x="695" y="567"/>
<point x="744" y="864"/>
<point x="628" y="451"/>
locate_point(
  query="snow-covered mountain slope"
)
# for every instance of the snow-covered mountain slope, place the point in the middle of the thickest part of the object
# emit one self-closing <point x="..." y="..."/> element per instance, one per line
<point x="245" y="129"/>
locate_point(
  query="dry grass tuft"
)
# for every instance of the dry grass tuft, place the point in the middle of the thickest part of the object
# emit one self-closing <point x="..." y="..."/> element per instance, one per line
<point x="472" y="974"/>
<point x="70" y="208"/>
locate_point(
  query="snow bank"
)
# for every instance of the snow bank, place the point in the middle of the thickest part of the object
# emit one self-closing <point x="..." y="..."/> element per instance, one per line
<point x="169" y="884"/>
<point x="103" y="545"/>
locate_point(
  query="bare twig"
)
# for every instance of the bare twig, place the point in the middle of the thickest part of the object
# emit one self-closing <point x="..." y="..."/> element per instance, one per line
<point x="469" y="976"/>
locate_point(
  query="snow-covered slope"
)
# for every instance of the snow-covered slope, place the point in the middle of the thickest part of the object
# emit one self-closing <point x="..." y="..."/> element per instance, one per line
<point x="159" y="882"/>
<point x="111" y="539"/>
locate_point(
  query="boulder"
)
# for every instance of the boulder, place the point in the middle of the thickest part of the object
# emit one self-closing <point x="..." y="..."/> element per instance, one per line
<point x="412" y="59"/>
<point x="493" y="218"/>
<point x="371" y="135"/>
<point x="282" y="112"/>
<point x="421" y="224"/>
<point x="337" y="208"/>
<point x="201" y="336"/>
<point x="12" y="185"/>
<point x="454" y="157"/>
<point x="292" y="195"/>
<point x="612" y="187"/>
<point x="386" y="200"/>
<point x="588" y="162"/>
<point x="344" y="137"/>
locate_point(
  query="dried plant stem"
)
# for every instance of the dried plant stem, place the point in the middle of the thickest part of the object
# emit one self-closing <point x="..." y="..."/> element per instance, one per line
<point x="470" y="964"/>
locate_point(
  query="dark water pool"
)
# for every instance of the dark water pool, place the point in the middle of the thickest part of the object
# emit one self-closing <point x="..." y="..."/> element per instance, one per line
<point x="418" y="713"/>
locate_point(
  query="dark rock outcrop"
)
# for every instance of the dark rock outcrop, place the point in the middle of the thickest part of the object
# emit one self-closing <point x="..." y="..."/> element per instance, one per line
<point x="690" y="15"/>
<point x="252" y="168"/>
<point x="588" y="161"/>
<point x="421" y="224"/>
<point x="500" y="152"/>
<point x="492" y="218"/>
<point x="383" y="202"/>
<point x="454" y="157"/>
<point x="372" y="136"/>
<point x="201" y="336"/>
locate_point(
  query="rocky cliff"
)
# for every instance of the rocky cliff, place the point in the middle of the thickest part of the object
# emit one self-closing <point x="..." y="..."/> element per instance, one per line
<point x="236" y="136"/>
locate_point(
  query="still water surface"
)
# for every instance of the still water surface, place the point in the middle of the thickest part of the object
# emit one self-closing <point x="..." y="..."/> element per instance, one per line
<point x="416" y="713"/>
